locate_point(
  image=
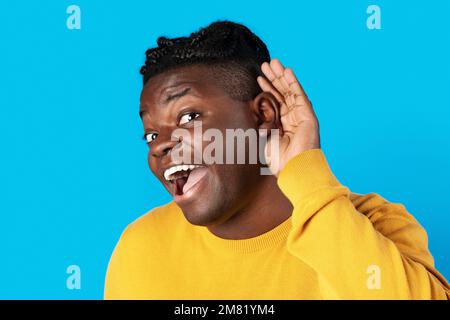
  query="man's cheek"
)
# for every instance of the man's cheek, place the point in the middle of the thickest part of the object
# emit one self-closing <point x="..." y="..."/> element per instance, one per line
<point x="151" y="162"/>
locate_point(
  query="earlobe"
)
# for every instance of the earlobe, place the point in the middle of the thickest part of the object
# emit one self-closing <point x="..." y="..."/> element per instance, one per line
<point x="266" y="108"/>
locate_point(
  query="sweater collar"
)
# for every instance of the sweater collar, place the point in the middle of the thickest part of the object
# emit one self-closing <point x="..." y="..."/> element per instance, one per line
<point x="261" y="242"/>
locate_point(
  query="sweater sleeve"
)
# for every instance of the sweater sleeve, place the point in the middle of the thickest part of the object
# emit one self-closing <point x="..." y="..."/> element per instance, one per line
<point x="361" y="247"/>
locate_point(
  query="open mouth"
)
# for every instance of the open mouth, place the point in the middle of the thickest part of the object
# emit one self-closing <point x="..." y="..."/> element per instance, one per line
<point x="183" y="177"/>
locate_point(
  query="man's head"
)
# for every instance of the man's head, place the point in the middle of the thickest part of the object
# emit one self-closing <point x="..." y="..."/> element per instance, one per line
<point x="207" y="79"/>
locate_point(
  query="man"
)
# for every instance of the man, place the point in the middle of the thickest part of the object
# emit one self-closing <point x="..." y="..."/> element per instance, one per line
<point x="235" y="233"/>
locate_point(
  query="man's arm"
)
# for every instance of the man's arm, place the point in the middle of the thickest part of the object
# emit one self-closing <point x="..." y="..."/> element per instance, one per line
<point x="365" y="249"/>
<point x="357" y="254"/>
<point x="394" y="222"/>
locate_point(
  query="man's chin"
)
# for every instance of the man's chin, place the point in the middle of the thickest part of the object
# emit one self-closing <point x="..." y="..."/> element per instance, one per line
<point x="201" y="216"/>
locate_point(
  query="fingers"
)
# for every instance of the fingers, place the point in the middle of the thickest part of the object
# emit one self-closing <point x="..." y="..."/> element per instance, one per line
<point x="267" y="86"/>
<point x="295" y="108"/>
<point x="278" y="70"/>
<point x="283" y="84"/>
<point x="274" y="77"/>
<point x="293" y="83"/>
<point x="267" y="70"/>
<point x="282" y="79"/>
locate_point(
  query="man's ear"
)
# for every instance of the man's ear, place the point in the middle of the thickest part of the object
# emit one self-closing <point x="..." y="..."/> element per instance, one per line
<point x="266" y="110"/>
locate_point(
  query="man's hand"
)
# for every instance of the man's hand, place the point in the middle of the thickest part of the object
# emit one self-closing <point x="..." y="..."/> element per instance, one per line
<point x="300" y="128"/>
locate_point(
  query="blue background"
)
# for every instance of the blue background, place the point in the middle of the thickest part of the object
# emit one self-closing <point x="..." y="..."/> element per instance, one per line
<point x="73" y="169"/>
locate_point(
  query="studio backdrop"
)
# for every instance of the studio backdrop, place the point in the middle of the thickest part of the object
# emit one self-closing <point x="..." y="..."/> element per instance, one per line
<point x="73" y="165"/>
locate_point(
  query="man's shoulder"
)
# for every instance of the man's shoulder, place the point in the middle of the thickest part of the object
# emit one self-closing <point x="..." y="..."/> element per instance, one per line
<point x="156" y="224"/>
<point x="142" y="246"/>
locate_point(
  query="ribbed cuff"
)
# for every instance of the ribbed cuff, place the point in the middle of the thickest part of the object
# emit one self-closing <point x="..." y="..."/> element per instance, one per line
<point x="304" y="174"/>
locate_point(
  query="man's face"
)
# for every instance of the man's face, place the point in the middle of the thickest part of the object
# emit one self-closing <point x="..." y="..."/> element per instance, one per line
<point x="182" y="98"/>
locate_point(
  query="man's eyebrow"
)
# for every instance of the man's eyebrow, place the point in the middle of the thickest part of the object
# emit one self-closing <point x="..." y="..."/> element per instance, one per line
<point x="173" y="96"/>
<point x="177" y="95"/>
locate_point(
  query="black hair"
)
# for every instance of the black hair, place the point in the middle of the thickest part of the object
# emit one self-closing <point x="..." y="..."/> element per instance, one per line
<point x="231" y="51"/>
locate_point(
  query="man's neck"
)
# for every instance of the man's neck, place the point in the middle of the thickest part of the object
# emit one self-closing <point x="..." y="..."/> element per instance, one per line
<point x="267" y="208"/>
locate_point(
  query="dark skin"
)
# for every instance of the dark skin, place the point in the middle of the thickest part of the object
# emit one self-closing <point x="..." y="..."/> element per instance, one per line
<point x="233" y="201"/>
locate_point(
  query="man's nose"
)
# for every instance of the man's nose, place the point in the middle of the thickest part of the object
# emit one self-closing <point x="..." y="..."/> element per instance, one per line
<point x="163" y="146"/>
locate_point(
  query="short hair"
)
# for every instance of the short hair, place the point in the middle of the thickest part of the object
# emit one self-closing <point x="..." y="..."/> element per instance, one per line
<point x="231" y="51"/>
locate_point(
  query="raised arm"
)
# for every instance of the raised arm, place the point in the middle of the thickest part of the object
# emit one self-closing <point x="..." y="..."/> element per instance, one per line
<point x="360" y="247"/>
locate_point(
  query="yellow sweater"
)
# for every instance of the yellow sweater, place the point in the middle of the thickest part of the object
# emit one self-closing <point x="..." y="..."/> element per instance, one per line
<point x="336" y="245"/>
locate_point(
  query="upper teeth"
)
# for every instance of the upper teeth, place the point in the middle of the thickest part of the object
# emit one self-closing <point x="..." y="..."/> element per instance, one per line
<point x="184" y="167"/>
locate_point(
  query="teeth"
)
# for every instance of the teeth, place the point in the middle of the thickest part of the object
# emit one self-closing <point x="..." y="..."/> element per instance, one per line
<point x="185" y="167"/>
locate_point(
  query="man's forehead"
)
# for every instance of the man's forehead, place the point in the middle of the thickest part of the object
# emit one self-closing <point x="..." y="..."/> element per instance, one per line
<point x="159" y="88"/>
<point x="164" y="91"/>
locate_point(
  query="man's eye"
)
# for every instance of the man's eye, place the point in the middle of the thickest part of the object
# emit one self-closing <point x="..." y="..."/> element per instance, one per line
<point x="149" y="137"/>
<point x="188" y="117"/>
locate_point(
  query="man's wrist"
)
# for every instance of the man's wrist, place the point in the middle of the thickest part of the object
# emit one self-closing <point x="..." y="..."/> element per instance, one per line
<point x="305" y="173"/>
